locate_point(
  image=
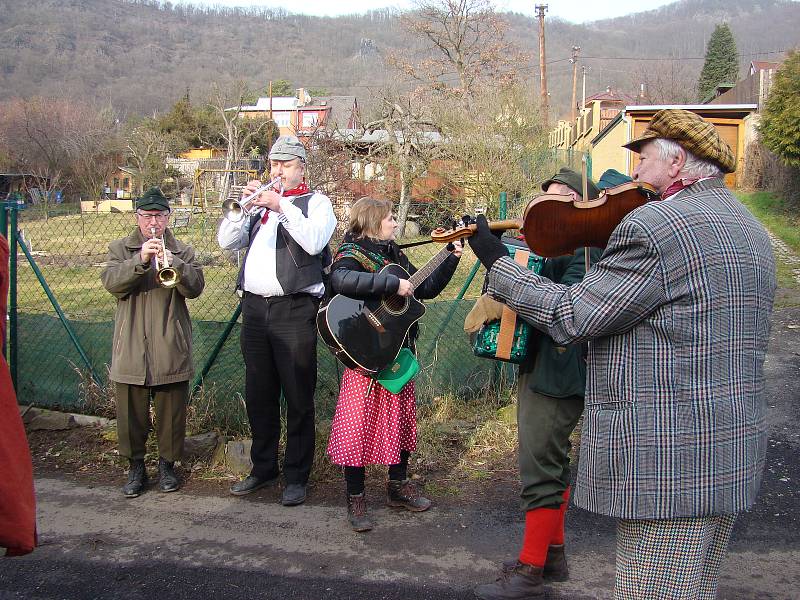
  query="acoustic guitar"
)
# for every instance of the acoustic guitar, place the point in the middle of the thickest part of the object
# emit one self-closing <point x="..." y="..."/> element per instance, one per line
<point x="367" y="334"/>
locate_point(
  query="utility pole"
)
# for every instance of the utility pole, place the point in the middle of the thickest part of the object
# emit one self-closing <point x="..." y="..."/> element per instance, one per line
<point x="574" y="61"/>
<point x="540" y="10"/>
<point x="583" y="96"/>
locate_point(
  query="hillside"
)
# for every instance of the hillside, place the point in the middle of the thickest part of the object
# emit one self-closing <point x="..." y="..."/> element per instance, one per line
<point x="141" y="55"/>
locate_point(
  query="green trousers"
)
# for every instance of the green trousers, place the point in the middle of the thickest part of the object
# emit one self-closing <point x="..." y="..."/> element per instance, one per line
<point x="544" y="425"/>
<point x="133" y="418"/>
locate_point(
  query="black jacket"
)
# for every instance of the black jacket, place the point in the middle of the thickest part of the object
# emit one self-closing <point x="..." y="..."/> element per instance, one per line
<point x="350" y="278"/>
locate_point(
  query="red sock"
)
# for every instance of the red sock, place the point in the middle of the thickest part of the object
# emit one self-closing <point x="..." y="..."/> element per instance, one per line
<point x="540" y="524"/>
<point x="558" y="535"/>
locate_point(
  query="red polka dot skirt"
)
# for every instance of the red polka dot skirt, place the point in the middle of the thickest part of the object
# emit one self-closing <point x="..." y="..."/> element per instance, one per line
<point x="372" y="430"/>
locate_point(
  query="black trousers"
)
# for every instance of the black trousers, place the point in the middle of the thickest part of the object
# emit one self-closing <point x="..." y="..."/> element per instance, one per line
<point x="279" y="346"/>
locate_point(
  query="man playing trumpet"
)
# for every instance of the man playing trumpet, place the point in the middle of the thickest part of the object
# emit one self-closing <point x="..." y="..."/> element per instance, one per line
<point x="152" y="347"/>
<point x="281" y="285"/>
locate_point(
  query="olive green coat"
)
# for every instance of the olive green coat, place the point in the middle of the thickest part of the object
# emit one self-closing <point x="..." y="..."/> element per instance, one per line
<point x="152" y="342"/>
<point x="560" y="371"/>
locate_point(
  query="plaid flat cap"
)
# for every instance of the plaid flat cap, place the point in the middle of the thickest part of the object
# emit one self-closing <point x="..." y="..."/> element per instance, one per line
<point x="692" y="132"/>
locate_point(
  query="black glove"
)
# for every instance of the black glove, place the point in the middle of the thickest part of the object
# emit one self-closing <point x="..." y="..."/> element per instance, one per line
<point x="486" y="246"/>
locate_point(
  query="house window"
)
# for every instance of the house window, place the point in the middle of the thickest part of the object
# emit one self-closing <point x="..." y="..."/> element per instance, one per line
<point x="373" y="171"/>
<point x="126" y="184"/>
<point x="282" y="119"/>
<point x="116" y="182"/>
<point x="310" y="119"/>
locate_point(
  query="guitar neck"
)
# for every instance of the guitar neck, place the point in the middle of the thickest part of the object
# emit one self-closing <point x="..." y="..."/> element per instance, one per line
<point x="420" y="276"/>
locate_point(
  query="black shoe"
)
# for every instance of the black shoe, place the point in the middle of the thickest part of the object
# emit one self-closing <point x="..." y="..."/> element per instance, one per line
<point x="250" y="484"/>
<point x="294" y="494"/>
<point x="137" y="479"/>
<point x="357" y="512"/>
<point x="516" y="582"/>
<point x="168" y="481"/>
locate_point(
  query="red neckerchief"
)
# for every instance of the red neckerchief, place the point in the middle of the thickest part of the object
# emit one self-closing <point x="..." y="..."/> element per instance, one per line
<point x="298" y="191"/>
<point x="677" y="186"/>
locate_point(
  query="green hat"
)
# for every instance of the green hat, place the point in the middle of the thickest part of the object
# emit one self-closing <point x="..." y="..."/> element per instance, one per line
<point x="692" y="132"/>
<point x="287" y="147"/>
<point x="572" y="180"/>
<point x="152" y="199"/>
<point x="612" y="178"/>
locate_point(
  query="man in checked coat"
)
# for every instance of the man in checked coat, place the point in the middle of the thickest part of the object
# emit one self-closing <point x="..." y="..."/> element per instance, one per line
<point x="677" y="316"/>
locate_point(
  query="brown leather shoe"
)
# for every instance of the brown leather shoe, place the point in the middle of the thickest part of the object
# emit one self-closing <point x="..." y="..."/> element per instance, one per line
<point x="404" y="494"/>
<point x="555" y="567"/>
<point x="357" y="512"/>
<point x="516" y="582"/>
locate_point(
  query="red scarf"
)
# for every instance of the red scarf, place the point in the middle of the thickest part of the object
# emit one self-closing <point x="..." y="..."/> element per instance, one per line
<point x="677" y="186"/>
<point x="298" y="191"/>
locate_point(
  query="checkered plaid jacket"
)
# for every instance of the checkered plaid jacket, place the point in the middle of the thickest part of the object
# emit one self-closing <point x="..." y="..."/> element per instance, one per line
<point x="678" y="314"/>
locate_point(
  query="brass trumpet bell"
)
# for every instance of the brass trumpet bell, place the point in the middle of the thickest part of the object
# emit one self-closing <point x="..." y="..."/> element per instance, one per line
<point x="166" y="276"/>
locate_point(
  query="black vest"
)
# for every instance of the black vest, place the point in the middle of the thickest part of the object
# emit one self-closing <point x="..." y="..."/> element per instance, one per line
<point x="295" y="268"/>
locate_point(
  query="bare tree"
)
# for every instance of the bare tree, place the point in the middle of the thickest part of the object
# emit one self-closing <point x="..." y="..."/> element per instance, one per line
<point x="60" y="144"/>
<point x="665" y="82"/>
<point x="239" y="131"/>
<point x="496" y="144"/>
<point x="406" y="140"/>
<point x="466" y="46"/>
<point x="147" y="150"/>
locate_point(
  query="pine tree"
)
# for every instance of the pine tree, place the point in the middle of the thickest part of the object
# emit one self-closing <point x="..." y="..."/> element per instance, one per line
<point x="780" y="122"/>
<point x="722" y="63"/>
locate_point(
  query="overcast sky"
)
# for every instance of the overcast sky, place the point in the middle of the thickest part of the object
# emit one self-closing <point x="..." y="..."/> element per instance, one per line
<point x="574" y="11"/>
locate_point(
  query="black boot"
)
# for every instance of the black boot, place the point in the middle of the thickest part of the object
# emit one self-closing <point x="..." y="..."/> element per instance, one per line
<point x="137" y="479"/>
<point x="357" y="512"/>
<point x="516" y="582"/>
<point x="555" y="568"/>
<point x="169" y="481"/>
<point x="404" y="494"/>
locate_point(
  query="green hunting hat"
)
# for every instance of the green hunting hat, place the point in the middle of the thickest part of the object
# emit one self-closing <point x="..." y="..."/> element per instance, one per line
<point x="287" y="147"/>
<point x="572" y="180"/>
<point x="692" y="132"/>
<point x="152" y="199"/>
<point x="612" y="178"/>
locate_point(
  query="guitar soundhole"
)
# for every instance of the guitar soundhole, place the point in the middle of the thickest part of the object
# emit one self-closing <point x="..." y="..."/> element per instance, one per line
<point x="396" y="305"/>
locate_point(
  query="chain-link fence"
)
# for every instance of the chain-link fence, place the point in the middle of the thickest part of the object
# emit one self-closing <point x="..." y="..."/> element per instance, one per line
<point x="69" y="251"/>
<point x="57" y="358"/>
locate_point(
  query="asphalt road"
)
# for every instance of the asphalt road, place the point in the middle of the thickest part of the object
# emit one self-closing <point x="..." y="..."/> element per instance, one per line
<point x="96" y="544"/>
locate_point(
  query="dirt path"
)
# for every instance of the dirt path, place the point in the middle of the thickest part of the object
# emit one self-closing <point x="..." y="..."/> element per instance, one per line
<point x="96" y="544"/>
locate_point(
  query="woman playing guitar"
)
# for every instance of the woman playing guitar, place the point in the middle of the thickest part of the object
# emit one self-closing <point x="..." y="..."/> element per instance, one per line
<point x="371" y="424"/>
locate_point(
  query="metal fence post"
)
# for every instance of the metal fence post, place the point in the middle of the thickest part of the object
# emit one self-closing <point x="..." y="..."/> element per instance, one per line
<point x="12" y="295"/>
<point x="4" y="233"/>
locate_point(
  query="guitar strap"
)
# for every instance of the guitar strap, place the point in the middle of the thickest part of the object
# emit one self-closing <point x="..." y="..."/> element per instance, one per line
<point x="508" y="322"/>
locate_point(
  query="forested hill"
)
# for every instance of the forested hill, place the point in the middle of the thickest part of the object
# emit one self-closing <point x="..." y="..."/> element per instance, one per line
<point x="141" y="55"/>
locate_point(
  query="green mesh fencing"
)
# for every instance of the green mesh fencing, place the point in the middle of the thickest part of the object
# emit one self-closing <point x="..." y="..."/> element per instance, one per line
<point x="70" y="250"/>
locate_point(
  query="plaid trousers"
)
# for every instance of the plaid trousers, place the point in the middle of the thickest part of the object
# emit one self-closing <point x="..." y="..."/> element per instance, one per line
<point x="674" y="559"/>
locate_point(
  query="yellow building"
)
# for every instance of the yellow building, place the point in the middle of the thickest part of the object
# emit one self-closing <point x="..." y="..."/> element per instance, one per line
<point x="731" y="120"/>
<point x="200" y="153"/>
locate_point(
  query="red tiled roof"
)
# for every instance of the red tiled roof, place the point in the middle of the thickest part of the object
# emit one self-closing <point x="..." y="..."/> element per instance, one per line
<point x="760" y="65"/>
<point x="611" y="95"/>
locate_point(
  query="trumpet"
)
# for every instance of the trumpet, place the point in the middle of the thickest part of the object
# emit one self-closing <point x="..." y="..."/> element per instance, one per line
<point x="236" y="210"/>
<point x="166" y="276"/>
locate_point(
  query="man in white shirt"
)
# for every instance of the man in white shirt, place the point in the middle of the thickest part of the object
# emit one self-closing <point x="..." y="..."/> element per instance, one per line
<point x="281" y="282"/>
